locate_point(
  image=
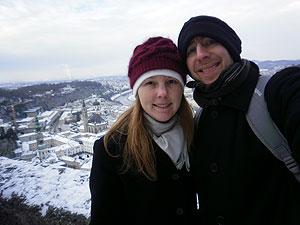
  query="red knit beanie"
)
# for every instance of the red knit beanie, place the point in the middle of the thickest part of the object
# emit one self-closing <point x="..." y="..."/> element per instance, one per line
<point x="156" y="56"/>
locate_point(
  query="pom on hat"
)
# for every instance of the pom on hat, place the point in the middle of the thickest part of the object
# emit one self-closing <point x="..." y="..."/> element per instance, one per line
<point x="156" y="56"/>
<point x="212" y="27"/>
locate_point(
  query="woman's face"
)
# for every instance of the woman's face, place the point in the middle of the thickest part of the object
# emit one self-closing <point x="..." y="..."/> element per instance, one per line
<point x="160" y="97"/>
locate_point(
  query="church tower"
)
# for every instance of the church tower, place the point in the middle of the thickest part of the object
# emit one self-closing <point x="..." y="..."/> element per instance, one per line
<point x="39" y="136"/>
<point x="84" y="117"/>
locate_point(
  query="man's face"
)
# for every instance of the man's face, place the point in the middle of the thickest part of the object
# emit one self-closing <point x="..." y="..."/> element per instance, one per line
<point x="206" y="59"/>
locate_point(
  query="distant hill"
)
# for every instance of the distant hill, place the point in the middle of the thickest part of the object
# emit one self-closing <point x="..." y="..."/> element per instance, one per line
<point x="271" y="65"/>
<point x="49" y="96"/>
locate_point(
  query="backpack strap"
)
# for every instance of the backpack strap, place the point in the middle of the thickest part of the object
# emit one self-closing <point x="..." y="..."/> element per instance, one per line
<point x="266" y="130"/>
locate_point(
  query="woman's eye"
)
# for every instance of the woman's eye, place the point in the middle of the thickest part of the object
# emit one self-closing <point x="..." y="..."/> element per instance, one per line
<point x="172" y="82"/>
<point x="149" y="83"/>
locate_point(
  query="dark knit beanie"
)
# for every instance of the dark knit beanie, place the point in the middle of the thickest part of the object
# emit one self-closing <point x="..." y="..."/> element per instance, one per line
<point x="156" y="56"/>
<point x="212" y="27"/>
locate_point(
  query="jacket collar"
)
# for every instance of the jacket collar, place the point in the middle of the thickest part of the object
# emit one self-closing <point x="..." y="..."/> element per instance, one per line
<point x="240" y="98"/>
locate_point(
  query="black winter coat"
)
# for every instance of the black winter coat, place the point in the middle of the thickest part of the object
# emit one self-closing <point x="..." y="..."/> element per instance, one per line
<point x="131" y="198"/>
<point x="238" y="180"/>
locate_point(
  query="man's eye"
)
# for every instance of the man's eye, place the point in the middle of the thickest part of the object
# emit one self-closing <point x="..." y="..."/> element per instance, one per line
<point x="209" y="42"/>
<point x="190" y="51"/>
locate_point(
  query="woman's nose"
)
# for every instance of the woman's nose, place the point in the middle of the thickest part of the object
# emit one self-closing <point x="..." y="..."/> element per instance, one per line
<point x="162" y="91"/>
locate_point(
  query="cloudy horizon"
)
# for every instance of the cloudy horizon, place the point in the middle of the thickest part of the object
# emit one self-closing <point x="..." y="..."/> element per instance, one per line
<point x="60" y="39"/>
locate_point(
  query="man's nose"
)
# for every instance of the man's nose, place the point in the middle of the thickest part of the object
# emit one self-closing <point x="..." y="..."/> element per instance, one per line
<point x="201" y="52"/>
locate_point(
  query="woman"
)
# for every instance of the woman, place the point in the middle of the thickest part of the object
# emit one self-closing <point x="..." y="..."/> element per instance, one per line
<point x="140" y="172"/>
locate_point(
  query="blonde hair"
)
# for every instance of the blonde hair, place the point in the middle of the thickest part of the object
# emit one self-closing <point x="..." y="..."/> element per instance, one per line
<point x="138" y="152"/>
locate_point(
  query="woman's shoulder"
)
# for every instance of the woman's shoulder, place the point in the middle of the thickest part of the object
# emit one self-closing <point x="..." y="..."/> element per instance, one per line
<point x="115" y="144"/>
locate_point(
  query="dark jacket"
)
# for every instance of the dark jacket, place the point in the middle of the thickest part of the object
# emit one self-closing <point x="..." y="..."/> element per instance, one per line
<point x="131" y="198"/>
<point x="237" y="178"/>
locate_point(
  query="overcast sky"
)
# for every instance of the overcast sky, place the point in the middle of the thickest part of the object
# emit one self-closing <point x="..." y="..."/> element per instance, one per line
<point x="43" y="40"/>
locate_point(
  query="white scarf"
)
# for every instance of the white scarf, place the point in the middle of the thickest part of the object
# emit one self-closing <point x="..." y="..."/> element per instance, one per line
<point x="170" y="138"/>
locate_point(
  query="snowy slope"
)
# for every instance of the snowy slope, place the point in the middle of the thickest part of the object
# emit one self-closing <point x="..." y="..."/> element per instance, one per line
<point x="52" y="185"/>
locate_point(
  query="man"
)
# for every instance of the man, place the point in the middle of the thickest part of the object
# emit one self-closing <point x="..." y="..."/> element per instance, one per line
<point x="237" y="178"/>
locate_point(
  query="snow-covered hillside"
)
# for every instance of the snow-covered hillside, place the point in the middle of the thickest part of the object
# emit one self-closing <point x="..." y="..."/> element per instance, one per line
<point x="48" y="185"/>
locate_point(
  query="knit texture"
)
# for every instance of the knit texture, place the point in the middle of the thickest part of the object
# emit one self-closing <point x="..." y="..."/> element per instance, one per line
<point x="212" y="27"/>
<point x="154" y="54"/>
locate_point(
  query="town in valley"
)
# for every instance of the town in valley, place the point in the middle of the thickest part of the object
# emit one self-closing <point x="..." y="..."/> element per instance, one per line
<point x="60" y="120"/>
